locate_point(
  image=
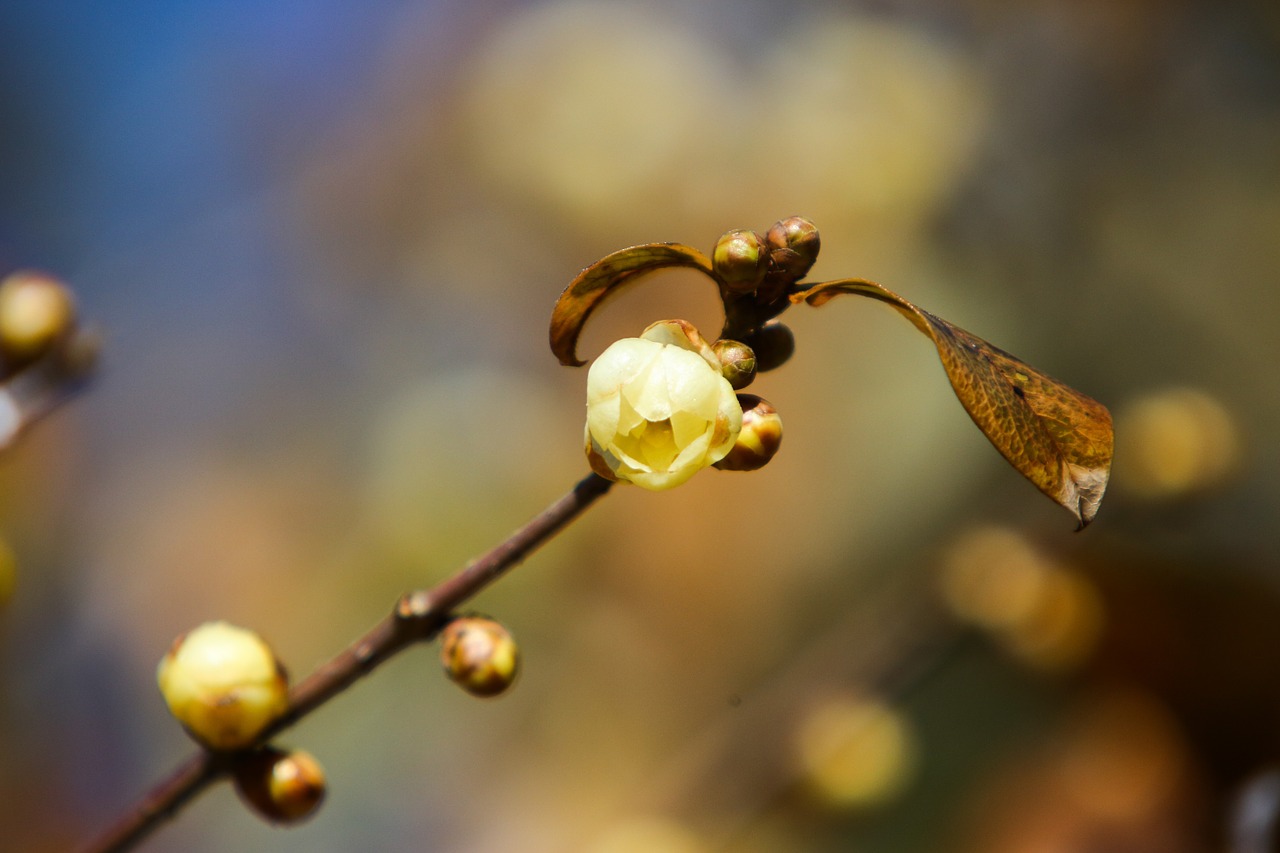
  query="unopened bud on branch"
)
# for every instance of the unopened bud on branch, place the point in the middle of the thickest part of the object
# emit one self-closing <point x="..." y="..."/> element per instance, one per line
<point x="793" y="246"/>
<point x="737" y="362"/>
<point x="479" y="655"/>
<point x="281" y="787"/>
<point x="741" y="258"/>
<point x="759" y="439"/>
<point x="224" y="685"/>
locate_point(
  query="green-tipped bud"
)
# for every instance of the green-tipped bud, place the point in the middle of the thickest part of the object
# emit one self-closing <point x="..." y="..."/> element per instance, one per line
<point x="36" y="311"/>
<point x="224" y="684"/>
<point x="793" y="246"/>
<point x="479" y="655"/>
<point x="773" y="344"/>
<point x="760" y="438"/>
<point x="737" y="362"/>
<point x="281" y="787"/>
<point x="741" y="258"/>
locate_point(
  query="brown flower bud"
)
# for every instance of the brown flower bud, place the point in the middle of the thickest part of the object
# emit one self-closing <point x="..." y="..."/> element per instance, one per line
<point x="793" y="246"/>
<point x="759" y="439"/>
<point x="36" y="311"/>
<point x="479" y="655"/>
<point x="773" y="343"/>
<point x="281" y="787"/>
<point x="737" y="362"/>
<point x="741" y="259"/>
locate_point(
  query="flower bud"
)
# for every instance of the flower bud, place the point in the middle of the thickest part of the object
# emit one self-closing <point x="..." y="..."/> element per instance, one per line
<point x="773" y="343"/>
<point x="737" y="363"/>
<point x="741" y="259"/>
<point x="658" y="408"/>
<point x="282" y="787"/>
<point x="36" y="311"/>
<point x="793" y="246"/>
<point x="479" y="655"/>
<point x="759" y="439"/>
<point x="224" y="685"/>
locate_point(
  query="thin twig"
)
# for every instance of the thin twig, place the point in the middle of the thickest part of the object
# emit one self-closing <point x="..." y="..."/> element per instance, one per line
<point x="417" y="616"/>
<point x="37" y="389"/>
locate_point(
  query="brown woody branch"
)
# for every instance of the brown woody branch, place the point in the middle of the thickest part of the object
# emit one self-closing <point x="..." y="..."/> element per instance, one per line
<point x="417" y="616"/>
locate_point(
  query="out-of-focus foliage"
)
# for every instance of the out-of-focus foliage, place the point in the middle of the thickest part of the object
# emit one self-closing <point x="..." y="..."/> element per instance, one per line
<point x="323" y="240"/>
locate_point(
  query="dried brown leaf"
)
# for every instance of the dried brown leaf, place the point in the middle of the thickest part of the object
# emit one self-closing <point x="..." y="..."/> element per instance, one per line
<point x="1058" y="438"/>
<point x="603" y="278"/>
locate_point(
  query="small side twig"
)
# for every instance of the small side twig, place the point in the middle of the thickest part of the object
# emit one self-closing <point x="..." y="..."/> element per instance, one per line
<point x="37" y="389"/>
<point x="417" y="616"/>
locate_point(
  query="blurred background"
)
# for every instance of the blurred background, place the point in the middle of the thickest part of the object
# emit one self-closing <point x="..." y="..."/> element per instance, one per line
<point x="322" y="241"/>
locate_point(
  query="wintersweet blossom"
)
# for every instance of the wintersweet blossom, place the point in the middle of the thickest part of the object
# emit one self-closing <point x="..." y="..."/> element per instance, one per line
<point x="658" y="408"/>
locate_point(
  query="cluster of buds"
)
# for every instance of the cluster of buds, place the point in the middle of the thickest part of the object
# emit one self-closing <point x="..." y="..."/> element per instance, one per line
<point x="226" y="687"/>
<point x="755" y="272"/>
<point x="663" y="406"/>
<point x="44" y="355"/>
<point x="748" y="262"/>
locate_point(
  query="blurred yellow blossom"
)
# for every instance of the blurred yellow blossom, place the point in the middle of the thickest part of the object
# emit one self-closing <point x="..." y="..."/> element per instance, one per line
<point x="1177" y="442"/>
<point x="856" y="752"/>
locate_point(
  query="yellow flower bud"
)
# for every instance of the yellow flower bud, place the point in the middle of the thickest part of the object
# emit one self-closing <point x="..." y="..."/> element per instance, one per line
<point x="741" y="259"/>
<point x="759" y="439"/>
<point x="737" y="362"/>
<point x="224" y="685"/>
<point x="658" y="408"/>
<point x="282" y="787"/>
<point x="479" y="655"/>
<point x="35" y="311"/>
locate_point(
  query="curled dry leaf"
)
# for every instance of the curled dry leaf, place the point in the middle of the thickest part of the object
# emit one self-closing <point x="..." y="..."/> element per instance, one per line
<point x="604" y="277"/>
<point x="1058" y="438"/>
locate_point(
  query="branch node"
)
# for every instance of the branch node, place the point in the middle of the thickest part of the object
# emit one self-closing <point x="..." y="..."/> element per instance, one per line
<point x="414" y="605"/>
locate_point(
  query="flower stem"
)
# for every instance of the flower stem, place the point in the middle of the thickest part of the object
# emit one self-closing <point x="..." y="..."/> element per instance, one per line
<point x="417" y="616"/>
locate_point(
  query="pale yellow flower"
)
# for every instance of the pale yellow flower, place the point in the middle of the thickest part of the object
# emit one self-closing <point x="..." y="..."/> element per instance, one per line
<point x="658" y="408"/>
